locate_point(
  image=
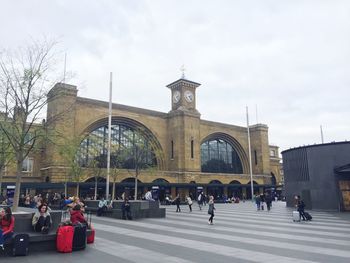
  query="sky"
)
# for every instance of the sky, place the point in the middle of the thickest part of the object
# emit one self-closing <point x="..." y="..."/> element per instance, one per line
<point x="288" y="61"/>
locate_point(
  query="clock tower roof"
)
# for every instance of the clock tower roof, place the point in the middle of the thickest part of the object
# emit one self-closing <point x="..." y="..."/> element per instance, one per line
<point x="183" y="82"/>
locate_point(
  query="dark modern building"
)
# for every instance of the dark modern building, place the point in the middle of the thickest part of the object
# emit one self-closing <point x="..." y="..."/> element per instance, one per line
<point x="320" y="174"/>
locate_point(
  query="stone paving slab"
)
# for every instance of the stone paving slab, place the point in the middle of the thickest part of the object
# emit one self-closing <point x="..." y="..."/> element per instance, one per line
<point x="239" y="234"/>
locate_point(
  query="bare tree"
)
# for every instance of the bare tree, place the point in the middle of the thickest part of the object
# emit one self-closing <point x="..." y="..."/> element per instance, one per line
<point x="6" y="155"/>
<point x="95" y="166"/>
<point x="139" y="156"/>
<point x="24" y="84"/>
<point x="114" y="175"/>
<point x="69" y="152"/>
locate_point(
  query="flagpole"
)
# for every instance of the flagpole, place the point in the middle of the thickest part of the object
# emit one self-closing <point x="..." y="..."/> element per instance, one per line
<point x="250" y="156"/>
<point x="64" y="70"/>
<point x="321" y="134"/>
<point x="109" y="136"/>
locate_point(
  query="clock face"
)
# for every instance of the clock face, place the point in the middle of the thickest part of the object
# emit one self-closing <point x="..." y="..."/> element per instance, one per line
<point x="189" y="97"/>
<point x="176" y="96"/>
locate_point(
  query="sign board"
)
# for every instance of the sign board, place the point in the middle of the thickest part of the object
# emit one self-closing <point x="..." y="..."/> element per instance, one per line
<point x="10" y="192"/>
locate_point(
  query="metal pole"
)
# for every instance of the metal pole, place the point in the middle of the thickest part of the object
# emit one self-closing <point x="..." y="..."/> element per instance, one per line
<point x="109" y="136"/>
<point x="64" y="71"/>
<point x="321" y="134"/>
<point x="250" y="156"/>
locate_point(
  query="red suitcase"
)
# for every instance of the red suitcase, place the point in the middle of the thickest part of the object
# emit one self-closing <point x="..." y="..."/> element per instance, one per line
<point x="64" y="241"/>
<point x="91" y="236"/>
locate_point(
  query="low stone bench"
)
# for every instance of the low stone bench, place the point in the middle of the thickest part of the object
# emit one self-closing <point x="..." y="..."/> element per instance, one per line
<point x="138" y="209"/>
<point x="37" y="241"/>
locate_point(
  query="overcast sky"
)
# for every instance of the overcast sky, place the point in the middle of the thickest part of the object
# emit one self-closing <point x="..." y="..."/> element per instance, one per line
<point x="289" y="59"/>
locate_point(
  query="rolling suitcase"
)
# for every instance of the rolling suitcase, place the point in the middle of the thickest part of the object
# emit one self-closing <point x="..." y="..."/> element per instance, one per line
<point x="64" y="241"/>
<point x="308" y="216"/>
<point x="79" y="237"/>
<point x="91" y="236"/>
<point x="296" y="217"/>
<point x="20" y="245"/>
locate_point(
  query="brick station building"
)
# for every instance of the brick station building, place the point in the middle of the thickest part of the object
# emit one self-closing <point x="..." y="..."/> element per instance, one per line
<point x="186" y="153"/>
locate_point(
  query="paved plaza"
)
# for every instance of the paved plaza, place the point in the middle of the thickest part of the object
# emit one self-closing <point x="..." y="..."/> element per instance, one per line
<point x="239" y="234"/>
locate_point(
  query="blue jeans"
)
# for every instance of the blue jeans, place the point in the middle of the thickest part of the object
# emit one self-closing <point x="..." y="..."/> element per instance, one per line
<point x="5" y="237"/>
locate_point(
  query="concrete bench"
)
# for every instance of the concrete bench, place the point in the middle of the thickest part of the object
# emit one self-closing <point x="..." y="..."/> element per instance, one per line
<point x="138" y="208"/>
<point x="37" y="241"/>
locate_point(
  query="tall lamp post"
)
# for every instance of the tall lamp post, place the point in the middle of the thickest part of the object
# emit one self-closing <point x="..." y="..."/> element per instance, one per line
<point x="250" y="156"/>
<point x="109" y="136"/>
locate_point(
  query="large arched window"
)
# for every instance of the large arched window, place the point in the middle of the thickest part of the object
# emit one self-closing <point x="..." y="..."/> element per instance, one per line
<point x="129" y="148"/>
<point x="218" y="156"/>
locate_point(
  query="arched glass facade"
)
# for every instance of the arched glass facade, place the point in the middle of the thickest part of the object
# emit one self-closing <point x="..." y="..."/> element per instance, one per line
<point x="218" y="156"/>
<point x="129" y="148"/>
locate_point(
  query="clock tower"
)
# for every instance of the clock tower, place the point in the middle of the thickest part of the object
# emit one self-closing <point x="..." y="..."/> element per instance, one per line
<point x="183" y="95"/>
<point x="184" y="127"/>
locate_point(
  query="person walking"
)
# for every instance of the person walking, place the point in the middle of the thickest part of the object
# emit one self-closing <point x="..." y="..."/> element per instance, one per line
<point x="200" y="200"/>
<point x="300" y="207"/>
<point x="211" y="210"/>
<point x="177" y="202"/>
<point x="268" y="200"/>
<point x="189" y="202"/>
<point x="257" y="202"/>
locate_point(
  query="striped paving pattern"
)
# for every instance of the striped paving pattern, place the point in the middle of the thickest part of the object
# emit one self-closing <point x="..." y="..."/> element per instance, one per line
<point x="239" y="234"/>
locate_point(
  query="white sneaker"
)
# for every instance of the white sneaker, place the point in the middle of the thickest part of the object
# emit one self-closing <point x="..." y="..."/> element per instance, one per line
<point x="209" y="223"/>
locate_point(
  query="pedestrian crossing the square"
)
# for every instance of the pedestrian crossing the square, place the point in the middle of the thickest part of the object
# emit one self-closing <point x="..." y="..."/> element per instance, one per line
<point x="240" y="234"/>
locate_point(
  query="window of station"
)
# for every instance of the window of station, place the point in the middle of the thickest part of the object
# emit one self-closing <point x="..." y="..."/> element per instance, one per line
<point x="219" y="156"/>
<point x="128" y="148"/>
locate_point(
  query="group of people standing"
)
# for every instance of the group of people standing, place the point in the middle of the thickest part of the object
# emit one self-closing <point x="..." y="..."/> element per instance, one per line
<point x="261" y="199"/>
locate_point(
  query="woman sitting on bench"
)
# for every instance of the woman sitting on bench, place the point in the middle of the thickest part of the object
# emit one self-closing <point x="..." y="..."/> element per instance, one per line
<point x="42" y="219"/>
<point x="7" y="223"/>
<point x="77" y="216"/>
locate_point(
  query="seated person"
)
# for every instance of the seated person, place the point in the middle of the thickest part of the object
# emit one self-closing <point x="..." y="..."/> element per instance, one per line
<point x="42" y="220"/>
<point x="76" y="201"/>
<point x="7" y="223"/>
<point x="126" y="209"/>
<point x="102" y="207"/>
<point x="148" y="196"/>
<point x="77" y="216"/>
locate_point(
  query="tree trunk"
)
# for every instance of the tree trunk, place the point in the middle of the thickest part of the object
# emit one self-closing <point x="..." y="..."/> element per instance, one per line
<point x="1" y="175"/>
<point x="113" y="191"/>
<point x="18" y="185"/>
<point x="77" y="190"/>
<point x="65" y="189"/>
<point x="135" y="197"/>
<point x="95" y="198"/>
